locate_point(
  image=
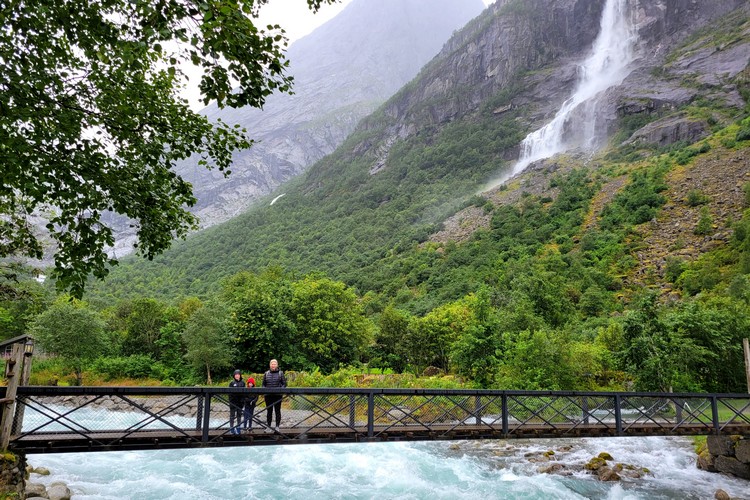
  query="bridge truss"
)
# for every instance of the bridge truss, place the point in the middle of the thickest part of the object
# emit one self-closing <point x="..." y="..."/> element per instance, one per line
<point x="74" y="419"/>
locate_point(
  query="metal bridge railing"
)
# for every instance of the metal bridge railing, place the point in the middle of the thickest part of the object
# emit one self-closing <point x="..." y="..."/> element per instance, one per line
<point x="102" y="418"/>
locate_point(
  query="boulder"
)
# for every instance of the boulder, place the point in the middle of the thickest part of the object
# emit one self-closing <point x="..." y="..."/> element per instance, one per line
<point x="58" y="491"/>
<point x="706" y="461"/>
<point x="607" y="474"/>
<point x="722" y="495"/>
<point x="595" y="464"/>
<point x="742" y="451"/>
<point x="720" y="445"/>
<point x="551" y="468"/>
<point x="731" y="465"/>
<point x="35" y="490"/>
<point x="670" y="130"/>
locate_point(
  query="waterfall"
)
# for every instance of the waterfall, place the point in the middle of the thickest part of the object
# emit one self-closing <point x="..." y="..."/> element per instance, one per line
<point x="575" y="124"/>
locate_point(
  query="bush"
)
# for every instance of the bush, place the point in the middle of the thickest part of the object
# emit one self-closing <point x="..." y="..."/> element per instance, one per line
<point x="705" y="223"/>
<point x="134" y="366"/>
<point x="695" y="198"/>
<point x="674" y="268"/>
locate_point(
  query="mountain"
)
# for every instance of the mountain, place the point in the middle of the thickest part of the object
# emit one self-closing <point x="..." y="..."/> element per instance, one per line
<point x="342" y="71"/>
<point x="402" y="211"/>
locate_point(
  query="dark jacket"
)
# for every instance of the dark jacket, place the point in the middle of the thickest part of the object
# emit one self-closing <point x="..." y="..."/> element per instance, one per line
<point x="251" y="398"/>
<point x="237" y="399"/>
<point x="274" y="379"/>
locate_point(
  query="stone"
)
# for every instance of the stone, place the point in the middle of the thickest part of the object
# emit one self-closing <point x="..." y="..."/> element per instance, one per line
<point x="605" y="456"/>
<point x="42" y="471"/>
<point x="551" y="468"/>
<point x="58" y="491"/>
<point x="706" y="461"/>
<point x="720" y="445"/>
<point x="35" y="490"/>
<point x="731" y="465"/>
<point x="670" y="130"/>
<point x="595" y="464"/>
<point x="722" y="495"/>
<point x="608" y="474"/>
<point x="742" y="451"/>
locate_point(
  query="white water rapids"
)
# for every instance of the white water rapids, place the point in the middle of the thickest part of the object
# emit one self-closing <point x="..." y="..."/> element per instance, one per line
<point x="438" y="470"/>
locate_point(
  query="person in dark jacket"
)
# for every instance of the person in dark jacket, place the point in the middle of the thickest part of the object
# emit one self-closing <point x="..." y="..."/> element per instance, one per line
<point x="235" y="403"/>
<point x="249" y="408"/>
<point x="271" y="379"/>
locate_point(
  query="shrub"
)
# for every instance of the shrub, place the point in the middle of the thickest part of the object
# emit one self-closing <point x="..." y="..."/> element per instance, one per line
<point x="695" y="198"/>
<point x="134" y="366"/>
<point x="705" y="223"/>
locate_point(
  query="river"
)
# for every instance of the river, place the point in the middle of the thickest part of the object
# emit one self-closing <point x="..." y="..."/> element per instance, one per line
<point x="435" y="470"/>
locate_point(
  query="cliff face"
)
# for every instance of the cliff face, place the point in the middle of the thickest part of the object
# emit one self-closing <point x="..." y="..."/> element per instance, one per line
<point x="342" y="71"/>
<point x="682" y="57"/>
<point x="438" y="139"/>
<point x="512" y="39"/>
<point x="508" y="39"/>
<point x="537" y="45"/>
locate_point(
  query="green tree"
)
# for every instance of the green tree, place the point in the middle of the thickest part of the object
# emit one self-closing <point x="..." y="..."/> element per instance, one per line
<point x="705" y="223"/>
<point x="91" y="121"/>
<point x="71" y="331"/>
<point x="21" y="300"/>
<point x="332" y="329"/>
<point x="144" y="322"/>
<point x="207" y="339"/>
<point x="661" y="358"/>
<point x="260" y="325"/>
<point x="388" y="351"/>
<point x="474" y="353"/>
<point x="431" y="337"/>
<point x="717" y="326"/>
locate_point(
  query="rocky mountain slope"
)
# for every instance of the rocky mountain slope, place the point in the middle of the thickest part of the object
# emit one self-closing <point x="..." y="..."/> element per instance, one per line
<point x="342" y="71"/>
<point x="458" y="124"/>
<point x="677" y="65"/>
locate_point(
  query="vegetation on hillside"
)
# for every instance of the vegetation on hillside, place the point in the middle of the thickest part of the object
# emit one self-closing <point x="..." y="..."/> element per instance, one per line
<point x="622" y="272"/>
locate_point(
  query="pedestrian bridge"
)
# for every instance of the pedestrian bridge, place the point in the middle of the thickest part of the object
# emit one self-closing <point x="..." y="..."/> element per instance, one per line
<point x="77" y="419"/>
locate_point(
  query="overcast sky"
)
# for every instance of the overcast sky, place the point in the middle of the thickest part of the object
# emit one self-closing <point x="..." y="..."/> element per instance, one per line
<point x="296" y="19"/>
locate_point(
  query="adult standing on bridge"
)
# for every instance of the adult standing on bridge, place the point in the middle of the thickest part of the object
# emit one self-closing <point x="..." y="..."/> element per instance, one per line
<point x="273" y="378"/>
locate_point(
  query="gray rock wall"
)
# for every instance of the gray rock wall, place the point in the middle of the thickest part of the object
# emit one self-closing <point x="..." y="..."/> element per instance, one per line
<point x="727" y="454"/>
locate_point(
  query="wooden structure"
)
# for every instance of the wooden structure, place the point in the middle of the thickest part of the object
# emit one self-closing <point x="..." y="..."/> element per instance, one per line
<point x="17" y="355"/>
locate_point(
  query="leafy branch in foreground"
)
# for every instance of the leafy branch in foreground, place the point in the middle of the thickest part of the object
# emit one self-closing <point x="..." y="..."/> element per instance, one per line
<point x="91" y="121"/>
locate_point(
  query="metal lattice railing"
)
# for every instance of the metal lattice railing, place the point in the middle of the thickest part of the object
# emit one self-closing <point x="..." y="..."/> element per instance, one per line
<point x="102" y="418"/>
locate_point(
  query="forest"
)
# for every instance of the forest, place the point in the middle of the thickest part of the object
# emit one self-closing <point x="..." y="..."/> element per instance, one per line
<point x="610" y="272"/>
<point x="543" y="298"/>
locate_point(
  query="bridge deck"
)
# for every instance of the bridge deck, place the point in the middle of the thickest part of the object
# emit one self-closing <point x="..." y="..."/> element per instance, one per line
<point x="168" y="439"/>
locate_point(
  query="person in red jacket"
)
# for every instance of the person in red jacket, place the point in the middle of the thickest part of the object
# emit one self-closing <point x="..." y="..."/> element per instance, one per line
<point x="249" y="408"/>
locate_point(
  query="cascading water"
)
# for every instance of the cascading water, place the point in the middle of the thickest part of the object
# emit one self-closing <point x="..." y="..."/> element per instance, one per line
<point x="575" y="124"/>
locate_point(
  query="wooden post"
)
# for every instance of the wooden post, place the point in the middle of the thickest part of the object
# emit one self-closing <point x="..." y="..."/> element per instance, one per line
<point x="25" y="375"/>
<point x="746" y="347"/>
<point x="14" y="373"/>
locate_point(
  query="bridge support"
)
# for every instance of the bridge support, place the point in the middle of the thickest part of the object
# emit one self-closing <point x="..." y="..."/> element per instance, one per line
<point x="14" y="370"/>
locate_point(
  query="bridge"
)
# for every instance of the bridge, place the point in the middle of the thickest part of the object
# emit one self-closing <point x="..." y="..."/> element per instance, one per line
<point x="76" y="419"/>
